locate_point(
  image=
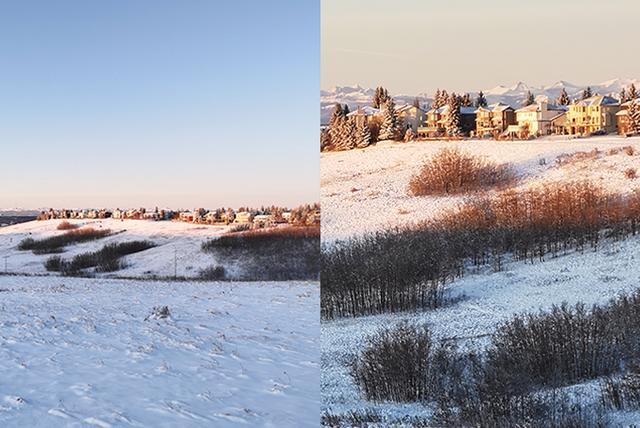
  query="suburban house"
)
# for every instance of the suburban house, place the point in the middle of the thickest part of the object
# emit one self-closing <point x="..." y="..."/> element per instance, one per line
<point x="243" y="217"/>
<point x="558" y="123"/>
<point x="536" y="119"/>
<point x="593" y="114"/>
<point x="622" y="117"/>
<point x="494" y="119"/>
<point x="366" y="113"/>
<point x="264" y="220"/>
<point x="435" y="124"/>
<point x="411" y="116"/>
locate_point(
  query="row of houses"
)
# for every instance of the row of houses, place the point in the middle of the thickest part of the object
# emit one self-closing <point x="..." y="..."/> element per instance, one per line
<point x="198" y="215"/>
<point x="594" y="115"/>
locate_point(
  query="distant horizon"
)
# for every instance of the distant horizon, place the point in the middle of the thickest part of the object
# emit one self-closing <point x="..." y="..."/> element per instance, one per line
<point x="498" y="85"/>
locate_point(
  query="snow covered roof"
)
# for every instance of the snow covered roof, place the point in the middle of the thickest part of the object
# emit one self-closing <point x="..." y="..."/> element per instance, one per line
<point x="538" y="106"/>
<point x="407" y="107"/>
<point x="597" y="100"/>
<point x="366" y="110"/>
<point x="495" y="107"/>
<point x="463" y="110"/>
<point x="628" y="103"/>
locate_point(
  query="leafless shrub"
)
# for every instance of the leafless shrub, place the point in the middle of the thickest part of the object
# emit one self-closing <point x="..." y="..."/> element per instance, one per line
<point x="629" y="150"/>
<point x="158" y="313"/>
<point x="213" y="273"/>
<point x="65" y="225"/>
<point x="452" y="171"/>
<point x="56" y="244"/>
<point x="567" y="159"/>
<point x="276" y="254"/>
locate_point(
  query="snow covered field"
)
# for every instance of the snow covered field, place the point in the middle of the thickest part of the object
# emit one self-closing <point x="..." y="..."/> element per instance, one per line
<point x="178" y="240"/>
<point x="84" y="352"/>
<point x="366" y="189"/>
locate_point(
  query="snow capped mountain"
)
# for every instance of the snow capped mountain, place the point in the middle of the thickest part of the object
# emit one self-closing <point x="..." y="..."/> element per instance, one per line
<point x="513" y="95"/>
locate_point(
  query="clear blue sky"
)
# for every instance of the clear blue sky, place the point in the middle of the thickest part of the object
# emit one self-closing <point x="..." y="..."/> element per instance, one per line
<point x="157" y="102"/>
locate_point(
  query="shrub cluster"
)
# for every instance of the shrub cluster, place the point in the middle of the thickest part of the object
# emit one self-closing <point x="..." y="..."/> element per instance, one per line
<point x="407" y="269"/>
<point x="452" y="171"/>
<point x="65" y="225"/>
<point x="213" y="273"/>
<point x="56" y="244"/>
<point x="108" y="259"/>
<point x="516" y="382"/>
<point x="274" y="254"/>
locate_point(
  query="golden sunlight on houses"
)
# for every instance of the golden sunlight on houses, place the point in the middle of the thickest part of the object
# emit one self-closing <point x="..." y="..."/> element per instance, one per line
<point x="596" y="114"/>
<point x="537" y="119"/>
<point x="494" y="119"/>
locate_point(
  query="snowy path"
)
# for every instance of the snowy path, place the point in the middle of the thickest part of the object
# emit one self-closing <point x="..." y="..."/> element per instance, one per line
<point x="79" y="352"/>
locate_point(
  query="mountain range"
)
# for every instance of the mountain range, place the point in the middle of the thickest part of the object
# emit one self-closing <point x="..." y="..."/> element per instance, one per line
<point x="514" y="95"/>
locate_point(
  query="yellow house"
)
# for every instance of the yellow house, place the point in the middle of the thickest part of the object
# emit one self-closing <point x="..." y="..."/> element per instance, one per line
<point x="593" y="114"/>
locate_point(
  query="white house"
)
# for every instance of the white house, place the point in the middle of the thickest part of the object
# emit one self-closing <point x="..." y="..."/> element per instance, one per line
<point x="536" y="119"/>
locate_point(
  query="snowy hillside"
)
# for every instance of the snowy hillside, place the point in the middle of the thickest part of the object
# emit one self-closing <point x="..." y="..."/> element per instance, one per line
<point x="366" y="190"/>
<point x="513" y="95"/>
<point x="176" y="242"/>
<point x="80" y="352"/>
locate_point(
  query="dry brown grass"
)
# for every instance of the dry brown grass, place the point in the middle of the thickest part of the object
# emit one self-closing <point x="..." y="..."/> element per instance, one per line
<point x="65" y="225"/>
<point x="451" y="171"/>
<point x="630" y="173"/>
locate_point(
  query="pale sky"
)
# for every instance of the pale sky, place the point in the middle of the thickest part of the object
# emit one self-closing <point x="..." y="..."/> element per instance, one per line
<point x="178" y="104"/>
<point x="413" y="46"/>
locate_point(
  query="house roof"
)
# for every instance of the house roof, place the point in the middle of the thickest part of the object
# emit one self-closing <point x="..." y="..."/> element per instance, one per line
<point x="463" y="110"/>
<point x="407" y="107"/>
<point x="598" y="100"/>
<point x="628" y="103"/>
<point x="537" y="106"/>
<point x="495" y="107"/>
<point x="366" y="110"/>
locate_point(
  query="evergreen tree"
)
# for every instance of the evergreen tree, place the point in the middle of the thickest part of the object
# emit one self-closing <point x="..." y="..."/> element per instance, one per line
<point x="466" y="100"/>
<point x="364" y="136"/>
<point x="633" y="92"/>
<point x="351" y="134"/>
<point x="345" y="110"/>
<point x="335" y="125"/>
<point x="623" y="96"/>
<point x="452" y="118"/>
<point x="586" y="93"/>
<point x="325" y="140"/>
<point x="481" y="101"/>
<point x="389" y="127"/>
<point x="380" y="97"/>
<point x="634" y="117"/>
<point x="436" y="99"/>
<point x="529" y="100"/>
<point x="416" y="102"/>
<point x="563" y="98"/>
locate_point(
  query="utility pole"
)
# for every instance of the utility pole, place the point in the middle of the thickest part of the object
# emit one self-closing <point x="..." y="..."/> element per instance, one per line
<point x="5" y="264"/>
<point x="175" y="263"/>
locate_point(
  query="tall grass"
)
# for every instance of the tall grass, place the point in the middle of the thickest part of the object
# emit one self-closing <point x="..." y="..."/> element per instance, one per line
<point x="56" y="244"/>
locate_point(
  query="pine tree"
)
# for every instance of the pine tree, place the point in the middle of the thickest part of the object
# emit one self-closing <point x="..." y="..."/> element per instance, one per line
<point x="335" y="125"/>
<point x="350" y="134"/>
<point x="466" y="100"/>
<point x="623" y="95"/>
<point x="325" y="140"/>
<point x="634" y="117"/>
<point x="452" y="119"/>
<point x="380" y="97"/>
<point x="563" y="98"/>
<point x="586" y="93"/>
<point x="389" y="127"/>
<point x="436" y="99"/>
<point x="345" y="110"/>
<point x="416" y="102"/>
<point x="481" y="101"/>
<point x="529" y="100"/>
<point x="633" y="92"/>
<point x="364" y="136"/>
